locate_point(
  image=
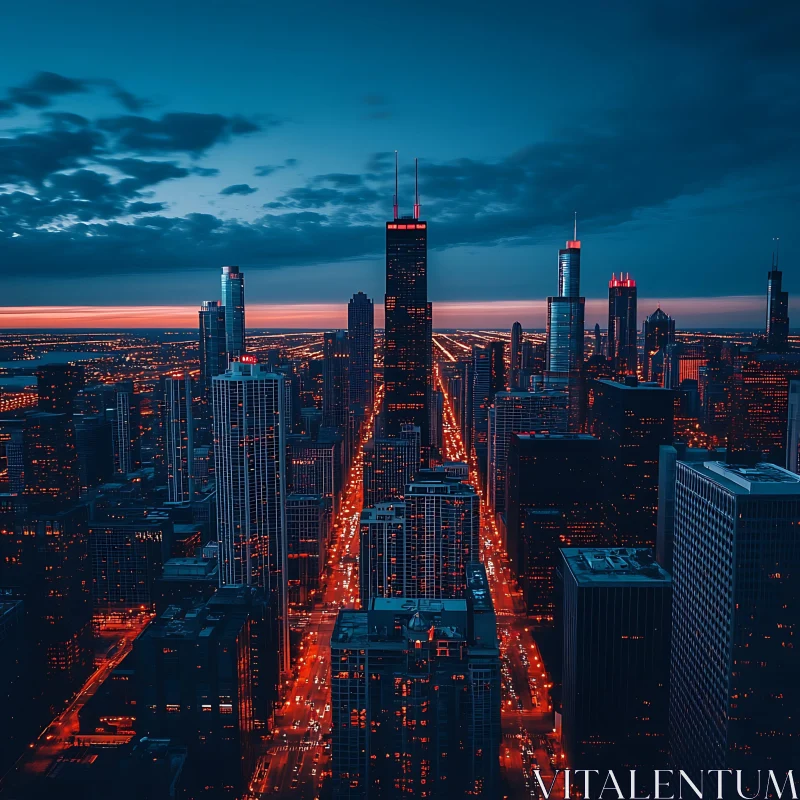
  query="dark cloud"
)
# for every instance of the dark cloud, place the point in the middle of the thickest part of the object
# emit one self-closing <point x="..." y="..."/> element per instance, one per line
<point x="266" y="170"/>
<point x="175" y="132"/>
<point x="45" y="88"/>
<point x="238" y="188"/>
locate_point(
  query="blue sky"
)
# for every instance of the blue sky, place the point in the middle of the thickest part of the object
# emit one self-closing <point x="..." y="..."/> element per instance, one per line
<point x="141" y="147"/>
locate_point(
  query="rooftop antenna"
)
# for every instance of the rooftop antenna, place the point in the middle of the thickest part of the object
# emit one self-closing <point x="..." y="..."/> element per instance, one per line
<point x="396" y="215"/>
<point x="575" y="229"/>
<point x="416" y="189"/>
<point x="777" y="254"/>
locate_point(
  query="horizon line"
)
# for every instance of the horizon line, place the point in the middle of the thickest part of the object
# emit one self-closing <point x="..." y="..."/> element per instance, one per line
<point x="705" y="312"/>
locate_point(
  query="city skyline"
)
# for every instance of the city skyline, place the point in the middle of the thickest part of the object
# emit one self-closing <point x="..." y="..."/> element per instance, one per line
<point x="133" y="170"/>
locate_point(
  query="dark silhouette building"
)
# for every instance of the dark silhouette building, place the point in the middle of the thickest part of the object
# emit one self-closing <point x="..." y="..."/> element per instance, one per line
<point x="622" y="322"/>
<point x="408" y="335"/>
<point x="658" y="331"/>
<point x="632" y="420"/>
<point x="336" y="385"/>
<point x="57" y="386"/>
<point x="777" y="311"/>
<point x="361" y="334"/>
<point x="555" y="499"/>
<point x="616" y="619"/>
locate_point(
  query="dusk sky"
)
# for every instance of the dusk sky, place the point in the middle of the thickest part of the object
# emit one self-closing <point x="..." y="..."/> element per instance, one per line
<point x="143" y="146"/>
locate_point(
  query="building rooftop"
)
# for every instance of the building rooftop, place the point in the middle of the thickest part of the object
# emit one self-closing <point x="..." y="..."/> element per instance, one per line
<point x="763" y="479"/>
<point x="566" y="437"/>
<point x="638" y="385"/>
<point x="614" y="566"/>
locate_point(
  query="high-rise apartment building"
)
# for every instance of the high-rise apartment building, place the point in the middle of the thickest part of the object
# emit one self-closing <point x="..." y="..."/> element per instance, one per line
<point x="177" y="437"/>
<point x="361" y="335"/>
<point x="51" y="476"/>
<point x="233" y="305"/>
<point x="336" y="384"/>
<point x="622" y="321"/>
<point x="616" y="619"/>
<point x="382" y="562"/>
<point x="442" y="535"/>
<point x="250" y="468"/>
<point x="734" y="691"/>
<point x="415" y="697"/>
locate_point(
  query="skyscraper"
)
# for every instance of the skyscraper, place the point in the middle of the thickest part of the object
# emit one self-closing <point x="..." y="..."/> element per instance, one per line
<point x="793" y="428"/>
<point x="178" y="437"/>
<point x="415" y="697"/>
<point x="361" y="335"/>
<point x="734" y="691"/>
<point x="389" y="465"/>
<point x="382" y="554"/>
<point x="306" y="536"/>
<point x="565" y="331"/>
<point x="616" y="608"/>
<point x="52" y="480"/>
<point x="233" y="304"/>
<point x="659" y="331"/>
<point x="622" y="322"/>
<point x="125" y="433"/>
<point x="213" y="355"/>
<point x="777" y="311"/>
<point x="632" y="420"/>
<point x="488" y="378"/>
<point x="336" y="381"/>
<point x="250" y="459"/>
<point x="407" y="349"/>
<point x="554" y="498"/>
<point x="516" y="357"/>
<point x="442" y="535"/>
<point x="513" y="412"/>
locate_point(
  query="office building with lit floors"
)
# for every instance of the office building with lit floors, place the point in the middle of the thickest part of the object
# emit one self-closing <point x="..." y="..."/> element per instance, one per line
<point x="382" y="554"/>
<point x="488" y="378"/>
<point x="632" y="420"/>
<point x="389" y="465"/>
<point x="554" y="499"/>
<point x="616" y="626"/>
<point x="126" y="558"/>
<point x="442" y="535"/>
<point x="415" y="697"/>
<point x="658" y="332"/>
<point x="336" y="385"/>
<point x="250" y="468"/>
<point x="194" y="686"/>
<point x="306" y="536"/>
<point x="736" y="612"/>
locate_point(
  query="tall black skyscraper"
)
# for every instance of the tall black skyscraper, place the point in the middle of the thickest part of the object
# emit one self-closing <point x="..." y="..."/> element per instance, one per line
<point x="336" y="382"/>
<point x="407" y="355"/>
<point x="233" y="303"/>
<point x="777" y="310"/>
<point x="659" y="333"/>
<point x="622" y="324"/>
<point x="516" y="357"/>
<point x="361" y="333"/>
<point x="213" y="355"/>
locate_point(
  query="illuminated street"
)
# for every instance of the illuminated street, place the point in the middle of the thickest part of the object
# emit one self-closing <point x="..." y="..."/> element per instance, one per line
<point x="297" y="753"/>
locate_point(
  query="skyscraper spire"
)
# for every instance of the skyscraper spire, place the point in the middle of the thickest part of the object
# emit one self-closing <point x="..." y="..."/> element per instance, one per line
<point x="396" y="215"/>
<point x="416" y="189"/>
<point x="575" y="228"/>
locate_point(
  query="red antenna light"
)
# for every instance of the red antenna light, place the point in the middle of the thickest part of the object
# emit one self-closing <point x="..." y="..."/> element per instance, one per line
<point x="416" y="189"/>
<point x="396" y="215"/>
